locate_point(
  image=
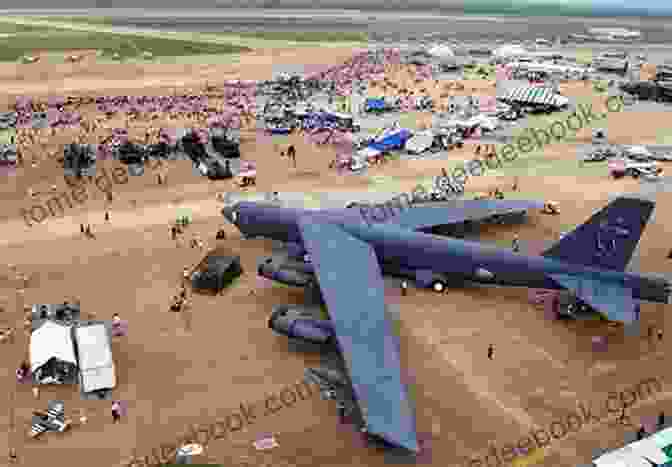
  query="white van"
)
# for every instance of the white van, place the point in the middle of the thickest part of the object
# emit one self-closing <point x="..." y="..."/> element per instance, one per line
<point x="94" y="352"/>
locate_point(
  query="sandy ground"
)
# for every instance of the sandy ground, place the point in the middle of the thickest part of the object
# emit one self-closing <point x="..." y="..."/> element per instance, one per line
<point x="173" y="377"/>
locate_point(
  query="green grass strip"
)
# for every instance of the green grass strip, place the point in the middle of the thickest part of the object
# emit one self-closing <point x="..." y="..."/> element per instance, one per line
<point x="123" y="45"/>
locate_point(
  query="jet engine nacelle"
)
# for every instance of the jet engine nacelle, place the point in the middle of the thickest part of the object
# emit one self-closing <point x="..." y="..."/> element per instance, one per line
<point x="285" y="276"/>
<point x="326" y="378"/>
<point x="294" y="325"/>
<point x="295" y="250"/>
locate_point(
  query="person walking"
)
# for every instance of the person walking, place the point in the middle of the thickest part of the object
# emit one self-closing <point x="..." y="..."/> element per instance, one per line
<point x="515" y="245"/>
<point x="83" y="419"/>
<point x="186" y="314"/>
<point x="342" y="409"/>
<point x="491" y="351"/>
<point x="81" y="228"/>
<point x="404" y="288"/>
<point x="116" y="412"/>
<point x="291" y="153"/>
<point x="661" y="420"/>
<point x="107" y="216"/>
<point x="185" y="275"/>
<point x="660" y="335"/>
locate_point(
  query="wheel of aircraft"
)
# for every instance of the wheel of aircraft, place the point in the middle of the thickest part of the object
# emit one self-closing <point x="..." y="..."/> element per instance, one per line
<point x="438" y="286"/>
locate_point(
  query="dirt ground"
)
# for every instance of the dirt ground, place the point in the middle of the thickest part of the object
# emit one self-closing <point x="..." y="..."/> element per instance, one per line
<point x="172" y="377"/>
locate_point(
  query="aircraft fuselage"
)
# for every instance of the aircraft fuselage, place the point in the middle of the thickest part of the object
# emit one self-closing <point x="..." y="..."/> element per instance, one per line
<point x="407" y="253"/>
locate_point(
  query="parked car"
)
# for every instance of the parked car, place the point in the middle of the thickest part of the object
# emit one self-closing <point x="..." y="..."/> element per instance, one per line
<point x="622" y="168"/>
<point x="662" y="157"/>
<point x="600" y="155"/>
<point x="637" y="153"/>
<point x="612" y="61"/>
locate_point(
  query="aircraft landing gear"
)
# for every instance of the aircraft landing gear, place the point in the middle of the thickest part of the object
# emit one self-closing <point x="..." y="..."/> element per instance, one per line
<point x="576" y="309"/>
<point x="313" y="294"/>
<point x="439" y="286"/>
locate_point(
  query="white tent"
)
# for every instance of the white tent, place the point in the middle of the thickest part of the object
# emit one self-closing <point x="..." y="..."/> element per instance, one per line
<point x="95" y="358"/>
<point x="636" y="454"/>
<point x="441" y="51"/>
<point x="420" y="142"/>
<point x="367" y="152"/>
<point x="510" y="50"/>
<point x="51" y="340"/>
<point x="536" y="95"/>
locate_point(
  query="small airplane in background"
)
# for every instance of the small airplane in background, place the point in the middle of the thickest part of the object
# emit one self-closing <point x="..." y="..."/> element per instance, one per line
<point x="53" y="420"/>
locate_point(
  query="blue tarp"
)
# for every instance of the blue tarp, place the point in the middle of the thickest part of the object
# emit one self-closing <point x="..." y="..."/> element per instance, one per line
<point x="280" y="131"/>
<point x="375" y="104"/>
<point x="395" y="140"/>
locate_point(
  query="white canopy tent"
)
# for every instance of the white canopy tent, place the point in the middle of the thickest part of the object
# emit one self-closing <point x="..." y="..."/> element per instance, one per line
<point x="510" y="50"/>
<point x="49" y="341"/>
<point x="536" y="95"/>
<point x="639" y="453"/>
<point x="441" y="51"/>
<point x="95" y="355"/>
<point x="420" y="142"/>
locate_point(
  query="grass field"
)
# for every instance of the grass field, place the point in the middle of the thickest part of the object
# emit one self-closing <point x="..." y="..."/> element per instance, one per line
<point x="293" y="36"/>
<point x="11" y="28"/>
<point x="24" y="36"/>
<point x="44" y="39"/>
<point x="6" y="135"/>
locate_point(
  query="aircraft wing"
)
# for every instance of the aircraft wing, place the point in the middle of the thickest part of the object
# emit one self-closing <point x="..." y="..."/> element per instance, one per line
<point x="352" y="286"/>
<point x="610" y="298"/>
<point x="454" y="212"/>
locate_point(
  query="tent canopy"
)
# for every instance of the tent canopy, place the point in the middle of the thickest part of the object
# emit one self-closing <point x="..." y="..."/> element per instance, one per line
<point x="51" y="340"/>
<point x="375" y="104"/>
<point x="510" y="50"/>
<point x="420" y="142"/>
<point x="442" y="51"/>
<point x="536" y="95"/>
<point x="95" y="356"/>
<point x="368" y="152"/>
<point x="637" y="453"/>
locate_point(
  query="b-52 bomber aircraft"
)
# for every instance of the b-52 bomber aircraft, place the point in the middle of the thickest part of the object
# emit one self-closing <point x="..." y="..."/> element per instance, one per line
<point x="345" y="256"/>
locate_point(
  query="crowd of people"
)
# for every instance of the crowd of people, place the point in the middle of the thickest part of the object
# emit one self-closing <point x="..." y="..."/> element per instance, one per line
<point x="232" y="107"/>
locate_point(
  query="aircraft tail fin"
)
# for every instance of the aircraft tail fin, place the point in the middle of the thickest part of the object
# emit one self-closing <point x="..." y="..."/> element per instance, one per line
<point x="609" y="238"/>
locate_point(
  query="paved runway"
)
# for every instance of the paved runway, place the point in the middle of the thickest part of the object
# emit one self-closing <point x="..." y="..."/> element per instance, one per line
<point x="388" y="24"/>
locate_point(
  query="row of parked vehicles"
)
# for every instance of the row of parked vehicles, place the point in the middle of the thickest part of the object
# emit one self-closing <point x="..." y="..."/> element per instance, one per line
<point x="630" y="161"/>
